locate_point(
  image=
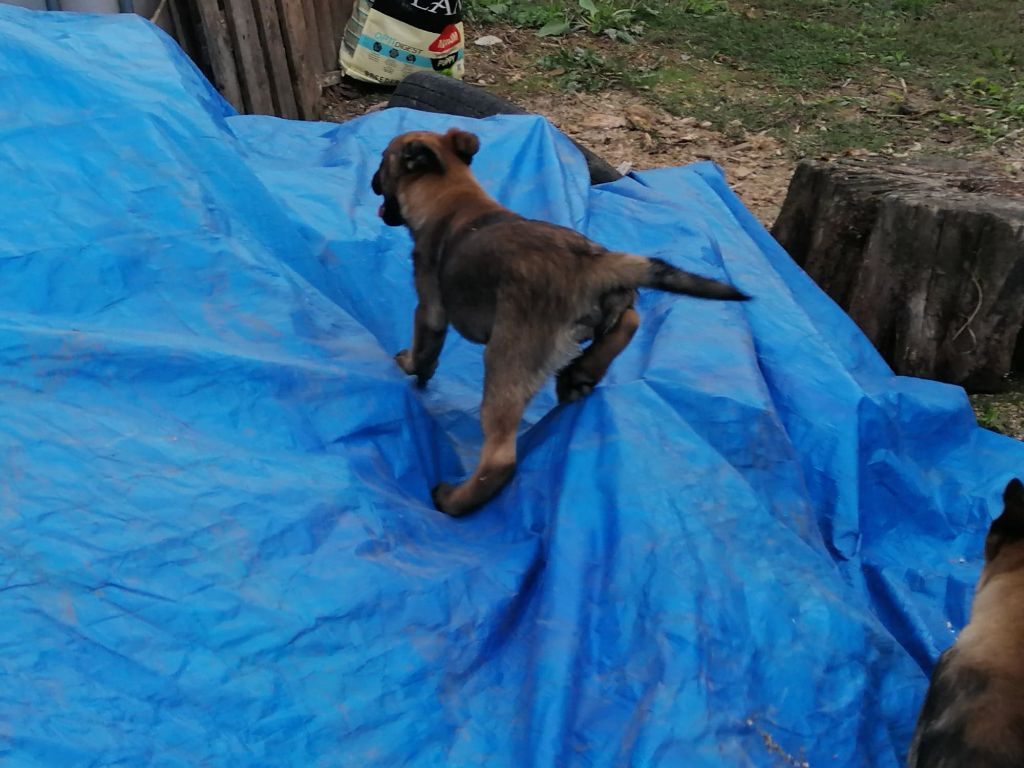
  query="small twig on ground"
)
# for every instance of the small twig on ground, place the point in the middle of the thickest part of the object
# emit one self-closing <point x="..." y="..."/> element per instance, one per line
<point x="974" y="314"/>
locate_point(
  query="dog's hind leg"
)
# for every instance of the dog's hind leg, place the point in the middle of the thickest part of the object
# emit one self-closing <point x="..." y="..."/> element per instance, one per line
<point x="579" y="378"/>
<point x="516" y="366"/>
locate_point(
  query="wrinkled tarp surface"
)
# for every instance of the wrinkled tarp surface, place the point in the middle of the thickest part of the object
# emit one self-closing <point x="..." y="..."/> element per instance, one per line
<point x="746" y="548"/>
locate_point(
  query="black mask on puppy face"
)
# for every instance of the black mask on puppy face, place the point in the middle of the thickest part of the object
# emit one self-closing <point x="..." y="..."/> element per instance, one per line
<point x="413" y="157"/>
<point x="389" y="211"/>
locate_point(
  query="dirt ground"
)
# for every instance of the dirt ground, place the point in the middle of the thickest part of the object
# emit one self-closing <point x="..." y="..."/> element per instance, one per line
<point x="626" y="130"/>
<point x="632" y="132"/>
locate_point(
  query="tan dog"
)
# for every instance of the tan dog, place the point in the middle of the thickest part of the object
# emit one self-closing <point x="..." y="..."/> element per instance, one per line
<point x="973" y="715"/>
<point x="531" y="291"/>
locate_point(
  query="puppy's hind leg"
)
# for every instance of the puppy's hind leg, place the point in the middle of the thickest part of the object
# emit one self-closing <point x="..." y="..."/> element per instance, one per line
<point x="514" y="372"/>
<point x="578" y="379"/>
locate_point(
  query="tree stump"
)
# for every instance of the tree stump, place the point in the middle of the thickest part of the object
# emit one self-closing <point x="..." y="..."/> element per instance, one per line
<point x="928" y="259"/>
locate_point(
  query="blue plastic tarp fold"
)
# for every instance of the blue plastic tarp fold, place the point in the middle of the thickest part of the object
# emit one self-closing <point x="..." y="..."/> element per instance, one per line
<point x="745" y="548"/>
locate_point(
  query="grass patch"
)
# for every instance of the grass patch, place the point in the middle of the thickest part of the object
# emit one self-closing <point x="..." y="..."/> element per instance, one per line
<point x="529" y="15"/>
<point x="619" y="20"/>
<point x="580" y="68"/>
<point x="824" y="75"/>
<point x="989" y="418"/>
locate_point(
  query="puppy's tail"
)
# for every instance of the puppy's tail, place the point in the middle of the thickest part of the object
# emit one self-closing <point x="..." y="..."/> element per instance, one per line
<point x="625" y="269"/>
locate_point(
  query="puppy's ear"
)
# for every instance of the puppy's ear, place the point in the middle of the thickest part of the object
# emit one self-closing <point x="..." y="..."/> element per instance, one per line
<point x="417" y="157"/>
<point x="1008" y="528"/>
<point x="464" y="144"/>
<point x="375" y="184"/>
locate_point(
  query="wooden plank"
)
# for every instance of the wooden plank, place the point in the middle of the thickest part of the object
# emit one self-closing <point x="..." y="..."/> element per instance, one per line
<point x="297" y="47"/>
<point x="178" y="29"/>
<point x="201" y="47"/>
<point x="252" y="68"/>
<point x="331" y="77"/>
<point x="214" y="31"/>
<point x="324" y="26"/>
<point x="184" y="23"/>
<point x="314" y="55"/>
<point x="277" y="59"/>
<point x="341" y="12"/>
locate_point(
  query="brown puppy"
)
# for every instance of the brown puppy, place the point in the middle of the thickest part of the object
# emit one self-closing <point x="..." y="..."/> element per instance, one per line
<point x="529" y="290"/>
<point x="973" y="715"/>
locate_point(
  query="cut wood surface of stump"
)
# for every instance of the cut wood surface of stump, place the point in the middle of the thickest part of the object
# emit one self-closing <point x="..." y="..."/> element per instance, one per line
<point x="928" y="259"/>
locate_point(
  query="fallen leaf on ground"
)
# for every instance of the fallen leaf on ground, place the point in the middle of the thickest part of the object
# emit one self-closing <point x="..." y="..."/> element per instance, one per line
<point x="641" y="118"/>
<point x="488" y="41"/>
<point x="600" y="120"/>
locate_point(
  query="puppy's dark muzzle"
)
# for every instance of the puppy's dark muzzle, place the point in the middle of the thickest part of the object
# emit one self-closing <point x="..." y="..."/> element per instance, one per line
<point x="390" y="211"/>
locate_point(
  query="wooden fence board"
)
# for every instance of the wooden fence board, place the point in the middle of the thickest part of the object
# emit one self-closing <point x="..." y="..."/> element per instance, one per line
<point x="341" y="11"/>
<point x="299" y="50"/>
<point x="314" y="54"/>
<point x="252" y="66"/>
<point x="323" y="22"/>
<point x="186" y="16"/>
<point x="277" y="59"/>
<point x="264" y="56"/>
<point x="214" y="31"/>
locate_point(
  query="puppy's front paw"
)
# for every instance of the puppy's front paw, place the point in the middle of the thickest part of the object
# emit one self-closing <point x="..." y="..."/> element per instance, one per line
<point x="441" y="496"/>
<point x="573" y="384"/>
<point x="404" y="361"/>
<point x="423" y="376"/>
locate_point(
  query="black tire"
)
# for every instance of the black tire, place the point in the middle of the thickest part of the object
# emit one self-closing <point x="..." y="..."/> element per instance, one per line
<point x="433" y="92"/>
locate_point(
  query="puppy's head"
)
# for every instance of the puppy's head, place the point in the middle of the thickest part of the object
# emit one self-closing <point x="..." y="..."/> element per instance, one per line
<point x="414" y="156"/>
<point x="1004" y="545"/>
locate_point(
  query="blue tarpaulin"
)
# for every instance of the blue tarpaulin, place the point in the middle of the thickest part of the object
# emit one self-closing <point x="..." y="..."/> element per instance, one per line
<point x="217" y="548"/>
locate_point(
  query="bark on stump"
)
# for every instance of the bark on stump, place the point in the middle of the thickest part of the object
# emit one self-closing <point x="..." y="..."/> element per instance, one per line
<point x="928" y="259"/>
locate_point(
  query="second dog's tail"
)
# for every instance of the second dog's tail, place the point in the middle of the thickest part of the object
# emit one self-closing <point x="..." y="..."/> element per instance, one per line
<point x="628" y="270"/>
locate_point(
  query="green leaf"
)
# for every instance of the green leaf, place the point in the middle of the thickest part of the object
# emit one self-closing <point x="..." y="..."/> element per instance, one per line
<point x="588" y="6"/>
<point x="553" y="29"/>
